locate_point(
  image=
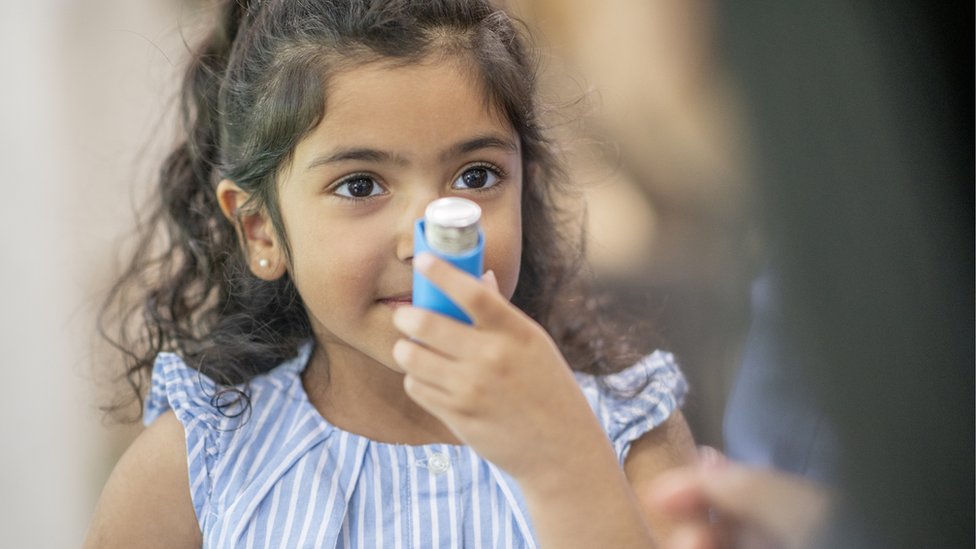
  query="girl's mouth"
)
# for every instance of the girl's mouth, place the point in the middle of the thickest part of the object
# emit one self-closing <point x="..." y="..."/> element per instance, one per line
<point x="397" y="300"/>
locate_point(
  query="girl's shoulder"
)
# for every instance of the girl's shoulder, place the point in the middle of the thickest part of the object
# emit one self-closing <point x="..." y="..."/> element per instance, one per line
<point x="146" y="496"/>
<point x="226" y="435"/>
<point x="635" y="400"/>
<point x="195" y="398"/>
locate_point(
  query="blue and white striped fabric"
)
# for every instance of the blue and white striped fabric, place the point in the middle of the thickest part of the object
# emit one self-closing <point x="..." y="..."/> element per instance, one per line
<point x="284" y="477"/>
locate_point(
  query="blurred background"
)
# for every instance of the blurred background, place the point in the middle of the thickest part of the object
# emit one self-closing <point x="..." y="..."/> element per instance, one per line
<point x="85" y="120"/>
<point x="652" y="135"/>
<point x="649" y="113"/>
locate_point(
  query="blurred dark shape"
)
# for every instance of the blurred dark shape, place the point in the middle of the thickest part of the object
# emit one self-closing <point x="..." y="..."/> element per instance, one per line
<point x="862" y="114"/>
<point x="772" y="418"/>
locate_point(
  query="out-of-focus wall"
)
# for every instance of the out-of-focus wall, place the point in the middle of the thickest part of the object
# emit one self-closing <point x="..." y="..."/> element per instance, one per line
<point x="85" y="86"/>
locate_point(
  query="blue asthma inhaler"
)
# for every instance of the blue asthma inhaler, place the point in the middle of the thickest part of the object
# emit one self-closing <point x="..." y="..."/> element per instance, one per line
<point x="451" y="230"/>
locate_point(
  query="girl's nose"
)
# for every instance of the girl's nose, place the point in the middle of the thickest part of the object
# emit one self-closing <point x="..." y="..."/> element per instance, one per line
<point x="404" y="244"/>
<point x="413" y="211"/>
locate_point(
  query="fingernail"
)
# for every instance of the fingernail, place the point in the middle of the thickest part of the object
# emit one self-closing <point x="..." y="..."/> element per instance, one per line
<point x="401" y="316"/>
<point x="398" y="348"/>
<point x="423" y="261"/>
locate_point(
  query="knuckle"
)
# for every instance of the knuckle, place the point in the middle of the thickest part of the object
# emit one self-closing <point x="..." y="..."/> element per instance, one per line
<point x="474" y="392"/>
<point x="480" y="299"/>
<point x="493" y="357"/>
<point x="503" y="369"/>
<point x="424" y="325"/>
<point x="498" y="368"/>
<point x="531" y="332"/>
<point x="523" y="338"/>
<point x="469" y="398"/>
<point x="467" y="405"/>
<point x="410" y="354"/>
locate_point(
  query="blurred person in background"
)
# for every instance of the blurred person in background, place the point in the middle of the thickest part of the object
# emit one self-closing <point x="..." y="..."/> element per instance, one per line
<point x="858" y="367"/>
<point x="862" y="114"/>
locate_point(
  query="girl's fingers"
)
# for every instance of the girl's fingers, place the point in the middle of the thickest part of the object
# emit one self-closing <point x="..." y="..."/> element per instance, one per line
<point x="446" y="335"/>
<point x="484" y="306"/>
<point x="489" y="281"/>
<point x="424" y="364"/>
<point x="430" y="397"/>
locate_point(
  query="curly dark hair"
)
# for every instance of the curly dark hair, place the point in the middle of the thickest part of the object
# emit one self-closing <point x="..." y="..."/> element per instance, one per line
<point x="253" y="90"/>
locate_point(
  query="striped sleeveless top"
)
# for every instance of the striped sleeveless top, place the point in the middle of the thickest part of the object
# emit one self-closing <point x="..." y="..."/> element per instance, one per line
<point x="281" y="476"/>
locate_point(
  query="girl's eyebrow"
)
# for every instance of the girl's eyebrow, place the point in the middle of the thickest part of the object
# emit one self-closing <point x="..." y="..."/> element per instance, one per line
<point x="487" y="141"/>
<point x="365" y="154"/>
<point x="358" y="153"/>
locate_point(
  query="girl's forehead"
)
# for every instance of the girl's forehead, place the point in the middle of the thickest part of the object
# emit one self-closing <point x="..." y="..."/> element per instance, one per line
<point x="431" y="87"/>
<point x="407" y="106"/>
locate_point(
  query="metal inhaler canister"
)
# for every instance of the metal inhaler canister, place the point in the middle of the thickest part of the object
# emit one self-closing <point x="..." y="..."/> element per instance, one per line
<point x="451" y="230"/>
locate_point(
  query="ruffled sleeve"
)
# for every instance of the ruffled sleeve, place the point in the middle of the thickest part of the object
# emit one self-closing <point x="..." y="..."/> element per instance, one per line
<point x="633" y="401"/>
<point x="190" y="394"/>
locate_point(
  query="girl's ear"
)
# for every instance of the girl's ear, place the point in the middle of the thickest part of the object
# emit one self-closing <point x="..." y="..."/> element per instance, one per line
<point x="265" y="255"/>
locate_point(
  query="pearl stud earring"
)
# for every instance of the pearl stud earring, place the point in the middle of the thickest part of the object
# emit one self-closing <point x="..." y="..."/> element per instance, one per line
<point x="263" y="263"/>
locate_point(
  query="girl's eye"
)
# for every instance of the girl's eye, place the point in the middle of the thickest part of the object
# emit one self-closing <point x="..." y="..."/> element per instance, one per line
<point x="359" y="186"/>
<point x="478" y="177"/>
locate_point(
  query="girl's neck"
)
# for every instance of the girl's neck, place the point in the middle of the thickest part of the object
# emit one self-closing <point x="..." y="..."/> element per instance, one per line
<point x="362" y="396"/>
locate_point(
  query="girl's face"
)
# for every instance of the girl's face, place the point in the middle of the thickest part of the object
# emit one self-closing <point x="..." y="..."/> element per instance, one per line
<point x="392" y="140"/>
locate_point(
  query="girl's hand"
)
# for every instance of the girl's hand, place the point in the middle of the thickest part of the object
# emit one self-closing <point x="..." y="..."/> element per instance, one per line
<point x="501" y="384"/>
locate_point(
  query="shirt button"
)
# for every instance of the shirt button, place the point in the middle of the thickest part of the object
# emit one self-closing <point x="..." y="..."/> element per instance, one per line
<point x="438" y="464"/>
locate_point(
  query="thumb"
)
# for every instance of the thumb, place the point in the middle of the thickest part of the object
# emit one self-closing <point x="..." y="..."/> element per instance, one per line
<point x="489" y="281"/>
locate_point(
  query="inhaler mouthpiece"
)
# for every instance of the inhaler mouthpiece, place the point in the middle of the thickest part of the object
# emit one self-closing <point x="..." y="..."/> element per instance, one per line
<point x="452" y="225"/>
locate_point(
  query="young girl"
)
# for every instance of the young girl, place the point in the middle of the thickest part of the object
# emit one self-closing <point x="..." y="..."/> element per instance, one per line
<point x="297" y="399"/>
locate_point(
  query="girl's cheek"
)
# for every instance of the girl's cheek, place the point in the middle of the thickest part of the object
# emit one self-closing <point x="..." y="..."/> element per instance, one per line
<point x="503" y="254"/>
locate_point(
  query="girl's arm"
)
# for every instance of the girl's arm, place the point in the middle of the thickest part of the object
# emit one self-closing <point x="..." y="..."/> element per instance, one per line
<point x="667" y="446"/>
<point x="503" y="388"/>
<point x="146" y="501"/>
<point x="594" y="503"/>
